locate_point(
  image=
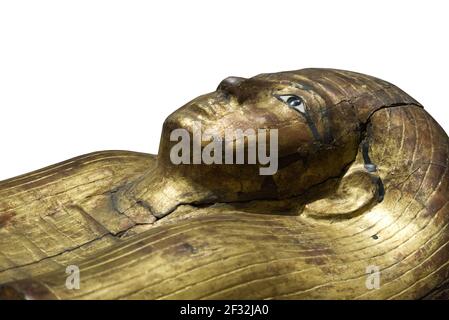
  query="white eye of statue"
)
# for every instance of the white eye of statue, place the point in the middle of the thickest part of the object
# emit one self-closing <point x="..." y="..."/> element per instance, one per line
<point x="294" y="102"/>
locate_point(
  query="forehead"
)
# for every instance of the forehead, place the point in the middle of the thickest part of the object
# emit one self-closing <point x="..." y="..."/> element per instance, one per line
<point x="266" y="85"/>
<point x="323" y="89"/>
<point x="331" y="84"/>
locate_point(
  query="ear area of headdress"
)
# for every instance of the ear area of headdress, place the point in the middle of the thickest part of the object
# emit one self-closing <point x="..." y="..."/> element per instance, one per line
<point x="358" y="191"/>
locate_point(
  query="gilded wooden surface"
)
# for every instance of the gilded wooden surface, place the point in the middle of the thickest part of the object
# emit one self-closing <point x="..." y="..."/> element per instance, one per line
<point x="140" y="227"/>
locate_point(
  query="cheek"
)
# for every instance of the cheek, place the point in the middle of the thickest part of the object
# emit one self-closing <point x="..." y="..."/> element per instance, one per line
<point x="293" y="130"/>
<point x="295" y="138"/>
<point x="251" y="117"/>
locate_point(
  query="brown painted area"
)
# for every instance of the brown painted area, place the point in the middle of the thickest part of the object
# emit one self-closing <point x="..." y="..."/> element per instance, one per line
<point x="5" y="219"/>
<point x="25" y="290"/>
<point x="185" y="248"/>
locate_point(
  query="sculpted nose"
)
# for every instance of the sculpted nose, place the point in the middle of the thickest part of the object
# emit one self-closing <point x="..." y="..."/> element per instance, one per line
<point x="230" y="83"/>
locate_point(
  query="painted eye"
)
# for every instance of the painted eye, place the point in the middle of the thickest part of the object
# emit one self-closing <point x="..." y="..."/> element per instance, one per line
<point x="293" y="102"/>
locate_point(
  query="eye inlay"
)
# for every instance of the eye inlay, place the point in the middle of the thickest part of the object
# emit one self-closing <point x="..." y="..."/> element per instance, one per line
<point x="293" y="102"/>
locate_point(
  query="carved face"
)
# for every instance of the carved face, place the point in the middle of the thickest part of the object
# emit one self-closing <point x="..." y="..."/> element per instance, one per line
<point x="319" y="130"/>
<point x="294" y="109"/>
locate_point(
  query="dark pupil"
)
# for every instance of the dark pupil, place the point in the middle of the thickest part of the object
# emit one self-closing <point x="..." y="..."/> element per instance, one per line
<point x="294" y="101"/>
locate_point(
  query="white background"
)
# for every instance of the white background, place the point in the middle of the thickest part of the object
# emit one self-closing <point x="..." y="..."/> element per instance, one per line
<point x="80" y="76"/>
